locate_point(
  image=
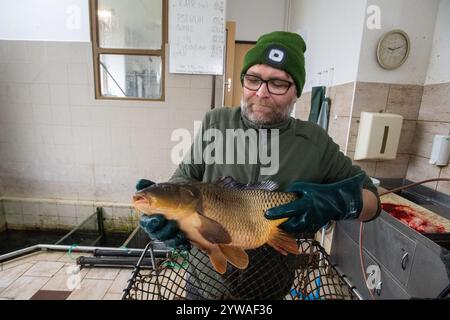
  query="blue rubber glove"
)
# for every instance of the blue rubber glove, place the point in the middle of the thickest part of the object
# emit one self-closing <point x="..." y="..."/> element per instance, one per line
<point x="320" y="203"/>
<point x="159" y="228"/>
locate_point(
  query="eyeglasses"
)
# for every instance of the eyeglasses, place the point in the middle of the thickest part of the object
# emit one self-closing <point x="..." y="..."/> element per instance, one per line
<point x="274" y="86"/>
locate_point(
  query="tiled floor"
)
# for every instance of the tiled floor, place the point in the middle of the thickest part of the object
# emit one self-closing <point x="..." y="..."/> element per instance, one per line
<point x="32" y="276"/>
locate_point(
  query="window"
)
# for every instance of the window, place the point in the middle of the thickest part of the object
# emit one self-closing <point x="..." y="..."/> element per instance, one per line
<point x="128" y="40"/>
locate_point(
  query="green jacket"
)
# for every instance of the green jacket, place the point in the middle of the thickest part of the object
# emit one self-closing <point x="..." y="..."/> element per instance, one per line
<point x="306" y="153"/>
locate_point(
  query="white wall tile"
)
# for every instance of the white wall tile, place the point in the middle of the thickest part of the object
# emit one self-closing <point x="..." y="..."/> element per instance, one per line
<point x="30" y="208"/>
<point x="59" y="94"/>
<point x="101" y="137"/>
<point x="61" y="115"/>
<point x="120" y="137"/>
<point x="81" y="116"/>
<point x="77" y="73"/>
<point x="48" y="209"/>
<point x="80" y="95"/>
<point x="31" y="220"/>
<point x="83" y="155"/>
<point x="3" y="91"/>
<point x="14" y="51"/>
<point x="71" y="52"/>
<point x="35" y="51"/>
<point x="201" y="81"/>
<point x="102" y="155"/>
<point x="84" y="211"/>
<point x="23" y="135"/>
<point x="44" y="134"/>
<point x="42" y="114"/>
<point x="40" y="94"/>
<point x="82" y="135"/>
<point x="121" y="213"/>
<point x="63" y="154"/>
<point x="84" y="173"/>
<point x="12" y="207"/>
<point x="19" y="93"/>
<point x="158" y="118"/>
<point x="82" y="148"/>
<point x="67" y="222"/>
<point x="177" y="81"/>
<point x="136" y="117"/>
<point x="20" y="113"/>
<point x="100" y="116"/>
<point x="66" y="210"/>
<point x="63" y="135"/>
<point x="53" y="73"/>
<point x="21" y="72"/>
<point x="14" y="220"/>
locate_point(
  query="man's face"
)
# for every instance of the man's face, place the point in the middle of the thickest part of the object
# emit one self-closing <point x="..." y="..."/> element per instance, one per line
<point x="261" y="106"/>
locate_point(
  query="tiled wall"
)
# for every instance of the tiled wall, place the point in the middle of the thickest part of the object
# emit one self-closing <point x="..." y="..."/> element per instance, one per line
<point x="425" y="111"/>
<point x="340" y="111"/>
<point x="390" y="98"/>
<point x="47" y="214"/>
<point x="57" y="141"/>
<point x="433" y="118"/>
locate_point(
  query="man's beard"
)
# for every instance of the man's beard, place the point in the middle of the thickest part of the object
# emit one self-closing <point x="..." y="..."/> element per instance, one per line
<point x="277" y="115"/>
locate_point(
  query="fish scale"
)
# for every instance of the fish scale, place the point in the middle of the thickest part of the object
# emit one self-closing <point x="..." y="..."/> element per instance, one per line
<point x="241" y="212"/>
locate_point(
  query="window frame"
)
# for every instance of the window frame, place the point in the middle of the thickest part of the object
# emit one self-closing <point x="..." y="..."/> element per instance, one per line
<point x="97" y="51"/>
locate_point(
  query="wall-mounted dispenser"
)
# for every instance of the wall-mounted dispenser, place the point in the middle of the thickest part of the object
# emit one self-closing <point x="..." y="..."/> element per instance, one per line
<point x="441" y="150"/>
<point x="378" y="136"/>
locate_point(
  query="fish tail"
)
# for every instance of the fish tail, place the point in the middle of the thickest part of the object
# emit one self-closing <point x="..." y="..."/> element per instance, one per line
<point x="283" y="242"/>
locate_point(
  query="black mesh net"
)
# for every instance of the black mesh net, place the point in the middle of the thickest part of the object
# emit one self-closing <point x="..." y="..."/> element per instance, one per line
<point x="189" y="275"/>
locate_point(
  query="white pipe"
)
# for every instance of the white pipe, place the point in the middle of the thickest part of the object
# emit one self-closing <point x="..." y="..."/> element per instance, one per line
<point x="20" y="252"/>
<point x="287" y="15"/>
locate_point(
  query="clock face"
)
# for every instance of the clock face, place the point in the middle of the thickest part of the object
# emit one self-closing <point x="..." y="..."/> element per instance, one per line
<point x="393" y="49"/>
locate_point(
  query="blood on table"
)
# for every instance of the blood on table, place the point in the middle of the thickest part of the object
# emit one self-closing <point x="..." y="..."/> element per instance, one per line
<point x="408" y="216"/>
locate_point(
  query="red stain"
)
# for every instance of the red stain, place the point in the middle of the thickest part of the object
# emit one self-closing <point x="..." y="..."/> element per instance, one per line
<point x="408" y="216"/>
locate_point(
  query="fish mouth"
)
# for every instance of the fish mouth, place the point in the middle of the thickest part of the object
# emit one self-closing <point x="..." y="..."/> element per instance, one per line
<point x="141" y="201"/>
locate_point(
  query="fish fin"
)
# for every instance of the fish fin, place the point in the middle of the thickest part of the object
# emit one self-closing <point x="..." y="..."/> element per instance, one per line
<point x="283" y="242"/>
<point x="213" y="231"/>
<point x="235" y="255"/>
<point x="229" y="183"/>
<point x="218" y="261"/>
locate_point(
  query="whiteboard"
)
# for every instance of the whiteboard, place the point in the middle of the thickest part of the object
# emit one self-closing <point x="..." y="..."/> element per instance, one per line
<point x="196" y="36"/>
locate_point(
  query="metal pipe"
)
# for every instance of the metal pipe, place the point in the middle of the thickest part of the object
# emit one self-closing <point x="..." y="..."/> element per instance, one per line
<point x="136" y="270"/>
<point x="54" y="247"/>
<point x="351" y="286"/>
<point x="118" y="262"/>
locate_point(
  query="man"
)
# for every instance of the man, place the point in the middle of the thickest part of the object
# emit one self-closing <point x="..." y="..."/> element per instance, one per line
<point x="310" y="163"/>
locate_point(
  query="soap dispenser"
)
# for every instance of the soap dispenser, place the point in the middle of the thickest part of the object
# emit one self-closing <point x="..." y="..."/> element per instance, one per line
<point x="441" y="150"/>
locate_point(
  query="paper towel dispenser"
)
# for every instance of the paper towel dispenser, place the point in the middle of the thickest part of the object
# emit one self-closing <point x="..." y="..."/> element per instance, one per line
<point x="378" y="136"/>
<point x="441" y="150"/>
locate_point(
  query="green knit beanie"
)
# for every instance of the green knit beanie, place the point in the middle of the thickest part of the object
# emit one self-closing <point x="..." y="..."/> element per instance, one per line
<point x="281" y="50"/>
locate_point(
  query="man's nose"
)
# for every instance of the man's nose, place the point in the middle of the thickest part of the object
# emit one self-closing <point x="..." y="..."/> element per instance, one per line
<point x="263" y="90"/>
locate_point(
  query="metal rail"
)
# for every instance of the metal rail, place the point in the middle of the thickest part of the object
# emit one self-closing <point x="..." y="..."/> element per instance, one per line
<point x="54" y="247"/>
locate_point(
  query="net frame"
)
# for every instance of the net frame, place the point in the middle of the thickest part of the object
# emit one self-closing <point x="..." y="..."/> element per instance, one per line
<point x="181" y="276"/>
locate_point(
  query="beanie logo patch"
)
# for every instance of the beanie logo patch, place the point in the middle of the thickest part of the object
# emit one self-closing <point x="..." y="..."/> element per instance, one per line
<point x="276" y="55"/>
